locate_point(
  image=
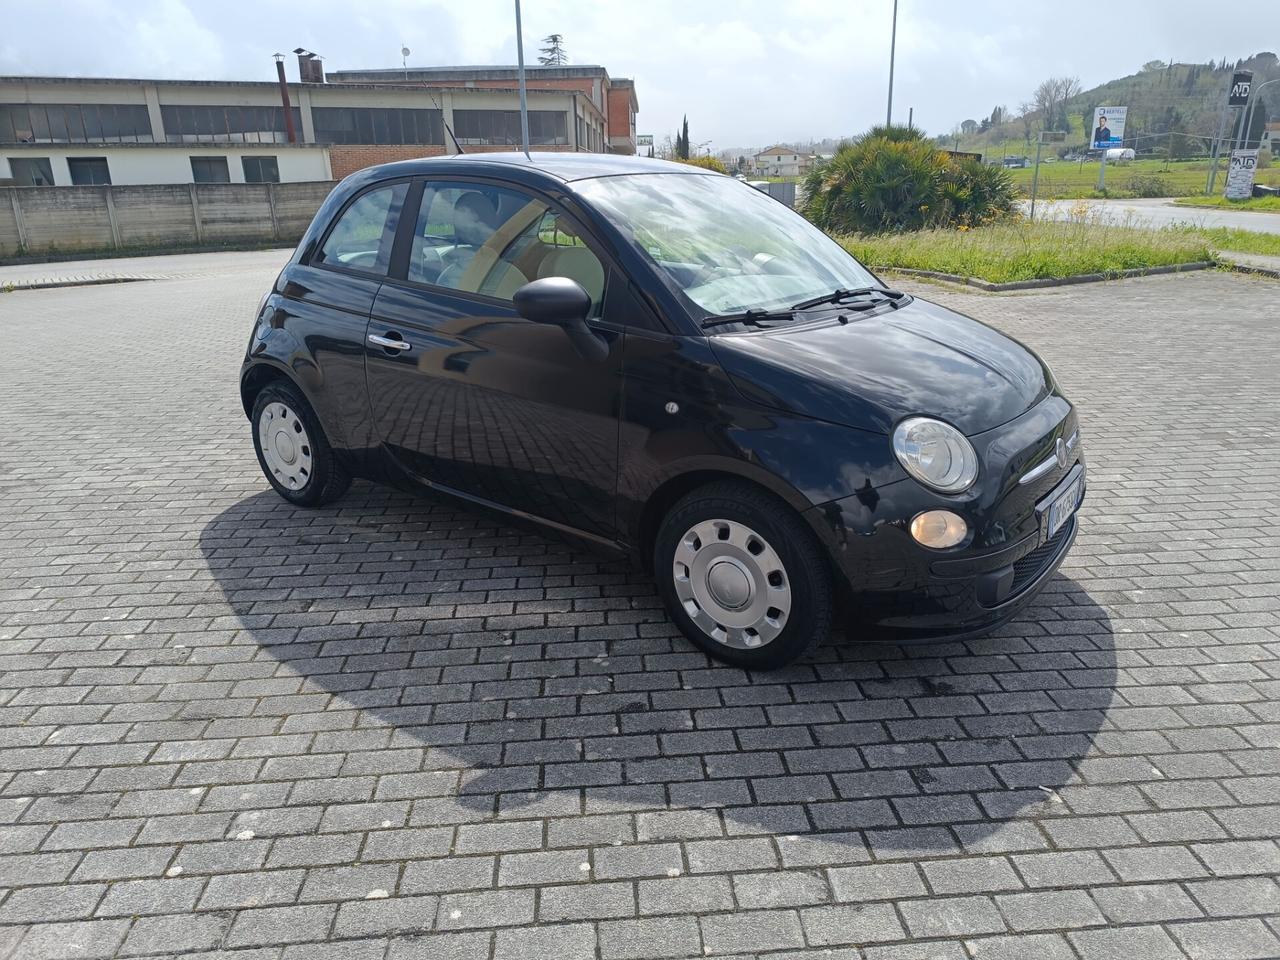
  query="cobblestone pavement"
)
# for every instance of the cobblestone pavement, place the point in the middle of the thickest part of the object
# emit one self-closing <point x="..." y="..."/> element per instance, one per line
<point x="399" y="728"/>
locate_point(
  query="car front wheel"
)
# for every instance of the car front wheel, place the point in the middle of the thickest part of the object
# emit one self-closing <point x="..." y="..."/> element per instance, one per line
<point x="292" y="449"/>
<point x="742" y="576"/>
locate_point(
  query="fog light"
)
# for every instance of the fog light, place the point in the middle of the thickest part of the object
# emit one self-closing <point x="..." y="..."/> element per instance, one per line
<point x="939" y="529"/>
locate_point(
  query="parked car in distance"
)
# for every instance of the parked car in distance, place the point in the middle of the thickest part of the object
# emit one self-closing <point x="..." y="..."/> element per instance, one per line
<point x="1015" y="162"/>
<point x="662" y="361"/>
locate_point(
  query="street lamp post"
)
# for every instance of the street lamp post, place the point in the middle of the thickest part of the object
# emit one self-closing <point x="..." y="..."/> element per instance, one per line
<point x="893" y="43"/>
<point x="524" y="103"/>
<point x="1253" y="102"/>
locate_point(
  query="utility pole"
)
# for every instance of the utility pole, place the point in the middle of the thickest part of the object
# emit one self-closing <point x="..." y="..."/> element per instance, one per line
<point x="893" y="43"/>
<point x="524" y="103"/>
<point x="911" y="114"/>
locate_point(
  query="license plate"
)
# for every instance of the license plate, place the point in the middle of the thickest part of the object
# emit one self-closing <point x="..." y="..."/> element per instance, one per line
<point x="1061" y="509"/>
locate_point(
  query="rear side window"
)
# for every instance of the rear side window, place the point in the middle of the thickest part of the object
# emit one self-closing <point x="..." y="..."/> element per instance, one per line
<point x="365" y="232"/>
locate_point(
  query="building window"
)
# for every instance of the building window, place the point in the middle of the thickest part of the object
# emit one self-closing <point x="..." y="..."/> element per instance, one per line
<point x="260" y="170"/>
<point x="227" y="124"/>
<point x="210" y="170"/>
<point x="546" y="127"/>
<point x="31" y="171"/>
<point x="74" y="123"/>
<point x="89" y="171"/>
<point x="377" y="125"/>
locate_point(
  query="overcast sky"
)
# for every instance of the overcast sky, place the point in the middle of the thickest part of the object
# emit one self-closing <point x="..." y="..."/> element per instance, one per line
<point x="747" y="72"/>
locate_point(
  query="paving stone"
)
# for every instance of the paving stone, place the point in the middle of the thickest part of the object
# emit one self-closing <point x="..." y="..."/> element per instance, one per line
<point x="287" y="734"/>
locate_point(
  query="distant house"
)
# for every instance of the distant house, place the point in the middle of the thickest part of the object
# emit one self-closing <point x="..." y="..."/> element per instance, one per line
<point x="1270" y="138"/>
<point x="780" y="161"/>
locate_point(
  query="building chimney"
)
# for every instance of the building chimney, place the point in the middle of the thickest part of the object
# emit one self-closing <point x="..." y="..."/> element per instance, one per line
<point x="310" y="69"/>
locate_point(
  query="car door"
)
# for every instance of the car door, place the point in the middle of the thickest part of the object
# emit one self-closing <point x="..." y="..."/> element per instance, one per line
<point x="469" y="396"/>
<point x="326" y="302"/>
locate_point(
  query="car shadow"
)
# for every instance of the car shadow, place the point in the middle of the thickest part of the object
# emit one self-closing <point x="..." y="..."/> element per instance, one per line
<point x="544" y="681"/>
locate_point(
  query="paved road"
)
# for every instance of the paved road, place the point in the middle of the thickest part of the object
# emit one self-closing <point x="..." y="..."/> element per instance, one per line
<point x="400" y="729"/>
<point x="1160" y="213"/>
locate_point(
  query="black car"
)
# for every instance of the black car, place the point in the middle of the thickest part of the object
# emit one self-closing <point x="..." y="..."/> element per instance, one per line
<point x="660" y="359"/>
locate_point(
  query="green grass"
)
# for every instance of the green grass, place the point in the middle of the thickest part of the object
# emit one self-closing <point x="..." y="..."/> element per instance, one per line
<point x="1263" y="204"/>
<point x="1018" y="250"/>
<point x="1230" y="238"/>
<point x="1066" y="181"/>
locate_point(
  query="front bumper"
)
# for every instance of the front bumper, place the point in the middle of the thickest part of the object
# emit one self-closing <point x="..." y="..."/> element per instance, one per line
<point x="896" y="590"/>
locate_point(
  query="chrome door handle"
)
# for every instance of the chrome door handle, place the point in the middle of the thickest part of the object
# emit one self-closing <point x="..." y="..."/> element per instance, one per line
<point x="388" y="342"/>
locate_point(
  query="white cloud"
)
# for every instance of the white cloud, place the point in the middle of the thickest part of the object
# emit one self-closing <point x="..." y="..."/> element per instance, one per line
<point x="746" y="73"/>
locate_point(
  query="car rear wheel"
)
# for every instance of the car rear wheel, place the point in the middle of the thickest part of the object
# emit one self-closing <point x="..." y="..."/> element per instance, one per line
<point x="292" y="449"/>
<point x="742" y="576"/>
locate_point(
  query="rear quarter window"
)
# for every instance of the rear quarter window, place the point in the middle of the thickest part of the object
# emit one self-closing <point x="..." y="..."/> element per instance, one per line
<point x="364" y="233"/>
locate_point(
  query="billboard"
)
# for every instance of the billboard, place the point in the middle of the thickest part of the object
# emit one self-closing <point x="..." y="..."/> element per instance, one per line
<point x="1108" y="127"/>
<point x="644" y="140"/>
<point x="1244" y="163"/>
<point x="1241" y="84"/>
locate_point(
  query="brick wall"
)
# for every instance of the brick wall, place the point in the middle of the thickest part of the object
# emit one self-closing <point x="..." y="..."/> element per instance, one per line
<point x="345" y="159"/>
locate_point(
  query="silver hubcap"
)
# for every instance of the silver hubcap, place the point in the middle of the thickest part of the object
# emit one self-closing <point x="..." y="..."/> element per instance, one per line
<point x="285" y="446"/>
<point x="731" y="583"/>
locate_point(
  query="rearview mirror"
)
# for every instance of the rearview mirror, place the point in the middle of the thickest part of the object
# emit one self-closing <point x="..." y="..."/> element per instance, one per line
<point x="562" y="302"/>
<point x="557" y="300"/>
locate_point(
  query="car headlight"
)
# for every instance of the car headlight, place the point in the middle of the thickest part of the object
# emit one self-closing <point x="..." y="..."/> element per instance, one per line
<point x="936" y="454"/>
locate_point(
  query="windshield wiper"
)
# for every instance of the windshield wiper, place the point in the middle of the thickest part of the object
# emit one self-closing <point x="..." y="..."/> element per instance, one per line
<point x="751" y="317"/>
<point x="838" y="295"/>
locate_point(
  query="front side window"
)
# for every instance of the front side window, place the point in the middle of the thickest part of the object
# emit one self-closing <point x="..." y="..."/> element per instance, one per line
<point x="478" y="238"/>
<point x="724" y="246"/>
<point x="89" y="171"/>
<point x="363" y="236"/>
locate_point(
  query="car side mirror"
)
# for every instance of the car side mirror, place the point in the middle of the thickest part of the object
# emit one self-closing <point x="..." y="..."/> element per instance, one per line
<point x="562" y="302"/>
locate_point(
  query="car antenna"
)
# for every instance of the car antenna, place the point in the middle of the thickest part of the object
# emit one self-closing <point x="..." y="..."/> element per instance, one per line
<point x="444" y="121"/>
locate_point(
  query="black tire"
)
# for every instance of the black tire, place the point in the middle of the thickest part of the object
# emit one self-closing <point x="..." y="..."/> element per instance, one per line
<point x="807" y="572"/>
<point x="327" y="479"/>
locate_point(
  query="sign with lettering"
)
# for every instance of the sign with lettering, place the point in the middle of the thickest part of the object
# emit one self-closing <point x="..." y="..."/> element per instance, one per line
<point x="1241" y="84"/>
<point x="1244" y="164"/>
<point x="1108" y="128"/>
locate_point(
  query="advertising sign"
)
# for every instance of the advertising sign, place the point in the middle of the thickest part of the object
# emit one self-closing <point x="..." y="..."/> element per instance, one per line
<point x="1241" y="83"/>
<point x="1108" y="127"/>
<point x="1244" y="164"/>
<point x="644" y="140"/>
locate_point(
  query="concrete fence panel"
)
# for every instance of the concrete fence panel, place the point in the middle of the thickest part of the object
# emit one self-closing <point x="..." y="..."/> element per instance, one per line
<point x="10" y="238"/>
<point x="36" y="220"/>
<point x="66" y="218"/>
<point x="296" y="204"/>
<point x="153" y="215"/>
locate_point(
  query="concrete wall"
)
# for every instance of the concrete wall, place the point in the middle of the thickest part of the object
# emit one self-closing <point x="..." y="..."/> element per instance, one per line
<point x="47" y="219"/>
<point x="160" y="163"/>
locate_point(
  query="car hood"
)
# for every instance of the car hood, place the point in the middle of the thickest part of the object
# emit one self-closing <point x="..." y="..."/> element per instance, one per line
<point x="918" y="360"/>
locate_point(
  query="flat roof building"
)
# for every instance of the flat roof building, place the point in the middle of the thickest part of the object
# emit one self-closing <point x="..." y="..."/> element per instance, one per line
<point x="73" y="130"/>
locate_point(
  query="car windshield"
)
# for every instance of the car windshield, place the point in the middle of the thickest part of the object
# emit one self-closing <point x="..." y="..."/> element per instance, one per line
<point x="723" y="245"/>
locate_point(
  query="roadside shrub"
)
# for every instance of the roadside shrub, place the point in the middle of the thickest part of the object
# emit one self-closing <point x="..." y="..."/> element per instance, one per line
<point x="706" y="162"/>
<point x="1149" y="185"/>
<point x="875" y="184"/>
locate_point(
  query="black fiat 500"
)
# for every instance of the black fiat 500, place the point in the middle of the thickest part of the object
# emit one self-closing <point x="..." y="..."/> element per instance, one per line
<point x="665" y="361"/>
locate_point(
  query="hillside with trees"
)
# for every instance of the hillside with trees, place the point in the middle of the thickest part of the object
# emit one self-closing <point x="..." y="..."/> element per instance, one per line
<point x="1174" y="109"/>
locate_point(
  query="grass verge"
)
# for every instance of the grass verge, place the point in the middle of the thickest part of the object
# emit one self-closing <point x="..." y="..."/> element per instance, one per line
<point x="1262" y="204"/>
<point x="1130" y="178"/>
<point x="1017" y="250"/>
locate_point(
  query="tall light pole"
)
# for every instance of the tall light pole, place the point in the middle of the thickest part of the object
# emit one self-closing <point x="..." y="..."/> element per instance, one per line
<point x="893" y="43"/>
<point x="524" y="103"/>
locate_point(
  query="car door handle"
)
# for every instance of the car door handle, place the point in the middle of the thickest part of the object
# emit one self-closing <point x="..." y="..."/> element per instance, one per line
<point x="388" y="343"/>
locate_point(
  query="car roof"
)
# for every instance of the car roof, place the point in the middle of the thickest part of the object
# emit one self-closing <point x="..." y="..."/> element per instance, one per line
<point x="565" y="167"/>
